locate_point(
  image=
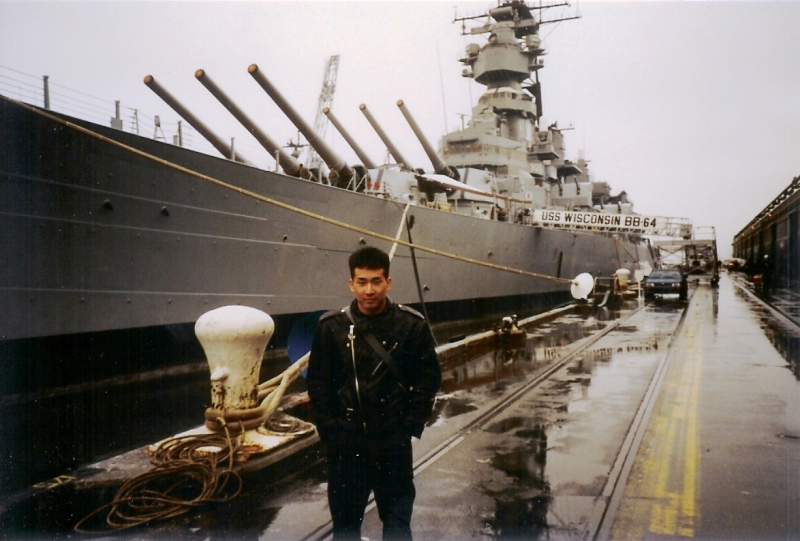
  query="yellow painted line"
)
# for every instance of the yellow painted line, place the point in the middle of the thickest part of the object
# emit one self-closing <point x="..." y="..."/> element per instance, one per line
<point x="674" y="510"/>
<point x="691" y="451"/>
<point x="661" y="496"/>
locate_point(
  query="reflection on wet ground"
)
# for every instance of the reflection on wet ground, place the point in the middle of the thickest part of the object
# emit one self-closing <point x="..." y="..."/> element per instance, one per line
<point x="548" y="472"/>
<point x="543" y="346"/>
<point x="521" y="510"/>
<point x="494" y="371"/>
<point x="784" y="337"/>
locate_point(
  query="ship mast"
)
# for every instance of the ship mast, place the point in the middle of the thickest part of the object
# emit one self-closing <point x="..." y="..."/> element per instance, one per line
<point x="509" y="58"/>
<point x="503" y="135"/>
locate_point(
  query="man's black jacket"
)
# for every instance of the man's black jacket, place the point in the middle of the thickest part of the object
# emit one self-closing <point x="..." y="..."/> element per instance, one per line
<point x="374" y="402"/>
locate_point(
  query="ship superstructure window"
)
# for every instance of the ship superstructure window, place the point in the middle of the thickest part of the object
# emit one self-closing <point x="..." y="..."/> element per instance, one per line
<point x="462" y="147"/>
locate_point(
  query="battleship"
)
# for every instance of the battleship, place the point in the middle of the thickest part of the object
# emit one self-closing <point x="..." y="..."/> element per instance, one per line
<point x="118" y="243"/>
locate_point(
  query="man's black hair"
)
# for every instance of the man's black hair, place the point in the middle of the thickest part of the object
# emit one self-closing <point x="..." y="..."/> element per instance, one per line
<point x="369" y="257"/>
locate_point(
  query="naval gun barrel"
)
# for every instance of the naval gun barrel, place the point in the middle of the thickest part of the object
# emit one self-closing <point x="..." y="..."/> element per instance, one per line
<point x="368" y="163"/>
<point x="326" y="153"/>
<point x="285" y="159"/>
<point x="439" y="166"/>
<point x="385" y="138"/>
<point x="211" y="137"/>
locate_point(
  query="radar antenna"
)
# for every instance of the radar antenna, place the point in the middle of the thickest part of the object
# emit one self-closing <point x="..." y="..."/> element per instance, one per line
<point x="325" y="100"/>
<point x="295" y="145"/>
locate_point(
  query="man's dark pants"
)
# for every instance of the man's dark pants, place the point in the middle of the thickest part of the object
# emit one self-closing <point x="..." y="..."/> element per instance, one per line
<point x="359" y="464"/>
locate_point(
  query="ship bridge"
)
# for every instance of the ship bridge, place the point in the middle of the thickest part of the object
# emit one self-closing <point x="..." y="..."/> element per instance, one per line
<point x="507" y="99"/>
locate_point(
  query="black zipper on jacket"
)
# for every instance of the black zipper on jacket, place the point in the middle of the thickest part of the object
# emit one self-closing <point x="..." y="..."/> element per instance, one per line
<point x="352" y="337"/>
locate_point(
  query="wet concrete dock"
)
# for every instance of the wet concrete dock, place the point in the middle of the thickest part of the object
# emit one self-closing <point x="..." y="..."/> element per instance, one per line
<point x="649" y="422"/>
<point x="712" y="452"/>
<point x="720" y="458"/>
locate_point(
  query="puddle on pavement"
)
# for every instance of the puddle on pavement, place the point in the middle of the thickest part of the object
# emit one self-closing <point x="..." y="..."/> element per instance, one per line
<point x="786" y="343"/>
<point x="529" y="449"/>
<point x="544" y="345"/>
<point x="453" y="407"/>
<point x="521" y="510"/>
<point x="785" y="338"/>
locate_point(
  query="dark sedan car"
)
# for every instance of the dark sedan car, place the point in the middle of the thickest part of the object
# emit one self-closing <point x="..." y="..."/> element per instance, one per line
<point x="666" y="282"/>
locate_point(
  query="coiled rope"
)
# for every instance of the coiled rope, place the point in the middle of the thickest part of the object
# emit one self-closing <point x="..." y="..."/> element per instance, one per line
<point x="286" y="206"/>
<point x="187" y="469"/>
<point x="185" y="476"/>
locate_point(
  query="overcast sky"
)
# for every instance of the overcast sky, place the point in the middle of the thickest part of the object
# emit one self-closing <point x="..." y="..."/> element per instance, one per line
<point x="693" y="108"/>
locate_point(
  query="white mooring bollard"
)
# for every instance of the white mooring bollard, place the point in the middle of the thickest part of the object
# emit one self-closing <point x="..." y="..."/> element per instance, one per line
<point x="623" y="276"/>
<point x="234" y="339"/>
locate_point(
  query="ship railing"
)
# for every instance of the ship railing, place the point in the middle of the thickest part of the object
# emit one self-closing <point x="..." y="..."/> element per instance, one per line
<point x="28" y="88"/>
<point x="357" y="183"/>
<point x="671" y="227"/>
<point x="384" y="191"/>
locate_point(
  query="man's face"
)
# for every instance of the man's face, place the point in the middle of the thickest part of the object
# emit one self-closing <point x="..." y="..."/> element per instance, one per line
<point x="370" y="287"/>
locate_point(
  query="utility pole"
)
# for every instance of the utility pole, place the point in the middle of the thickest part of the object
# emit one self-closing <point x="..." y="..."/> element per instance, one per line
<point x="47" y="92"/>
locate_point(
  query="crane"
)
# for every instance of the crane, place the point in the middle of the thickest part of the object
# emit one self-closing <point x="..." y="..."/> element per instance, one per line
<point x="325" y="100"/>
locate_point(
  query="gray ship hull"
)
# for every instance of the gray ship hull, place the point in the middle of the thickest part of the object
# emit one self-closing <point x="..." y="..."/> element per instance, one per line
<point x="107" y="259"/>
<point x="97" y="238"/>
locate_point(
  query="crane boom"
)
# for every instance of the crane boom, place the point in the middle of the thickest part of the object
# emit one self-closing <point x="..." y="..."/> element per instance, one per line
<point x="325" y="100"/>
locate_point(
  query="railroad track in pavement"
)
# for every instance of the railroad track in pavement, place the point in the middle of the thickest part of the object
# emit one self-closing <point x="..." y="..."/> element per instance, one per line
<point x="615" y="484"/>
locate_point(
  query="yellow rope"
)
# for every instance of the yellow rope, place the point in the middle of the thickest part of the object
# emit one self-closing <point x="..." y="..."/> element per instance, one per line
<point x="286" y="206"/>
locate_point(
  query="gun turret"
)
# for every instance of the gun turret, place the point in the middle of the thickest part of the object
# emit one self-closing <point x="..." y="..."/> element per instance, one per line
<point x="336" y="164"/>
<point x="369" y="164"/>
<point x="284" y="159"/>
<point x="223" y="148"/>
<point x="385" y="138"/>
<point x="439" y="166"/>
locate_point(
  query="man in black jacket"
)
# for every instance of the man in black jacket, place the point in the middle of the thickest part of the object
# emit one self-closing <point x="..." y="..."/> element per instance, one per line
<point x="372" y="379"/>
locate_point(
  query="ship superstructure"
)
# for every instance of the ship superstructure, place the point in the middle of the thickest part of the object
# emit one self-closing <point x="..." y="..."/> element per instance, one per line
<point x="507" y="162"/>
